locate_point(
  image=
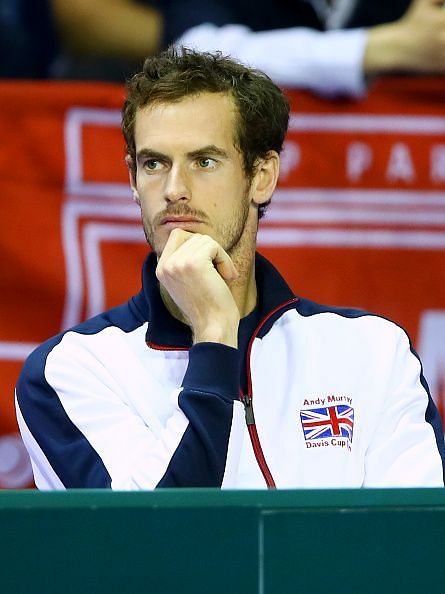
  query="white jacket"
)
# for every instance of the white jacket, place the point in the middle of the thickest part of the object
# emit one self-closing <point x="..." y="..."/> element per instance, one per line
<point x="336" y="399"/>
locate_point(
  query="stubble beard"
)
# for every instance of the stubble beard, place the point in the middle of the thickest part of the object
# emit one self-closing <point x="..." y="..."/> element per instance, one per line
<point x="237" y="238"/>
<point x="233" y="236"/>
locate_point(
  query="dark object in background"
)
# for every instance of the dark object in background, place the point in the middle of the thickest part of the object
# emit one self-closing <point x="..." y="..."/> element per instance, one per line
<point x="28" y="41"/>
<point x="264" y="15"/>
<point x="368" y="13"/>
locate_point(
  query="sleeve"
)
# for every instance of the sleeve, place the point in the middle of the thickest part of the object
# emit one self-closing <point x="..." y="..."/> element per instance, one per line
<point x="329" y="63"/>
<point x="407" y="448"/>
<point x="81" y="431"/>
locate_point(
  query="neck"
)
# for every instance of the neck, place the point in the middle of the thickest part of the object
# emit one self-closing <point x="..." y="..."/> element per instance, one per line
<point x="244" y="288"/>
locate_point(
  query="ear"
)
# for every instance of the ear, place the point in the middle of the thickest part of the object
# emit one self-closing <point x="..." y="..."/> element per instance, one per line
<point x="132" y="176"/>
<point x="265" y="178"/>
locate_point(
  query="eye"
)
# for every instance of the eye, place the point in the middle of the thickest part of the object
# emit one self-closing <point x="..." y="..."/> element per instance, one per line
<point x="206" y="163"/>
<point x="152" y="164"/>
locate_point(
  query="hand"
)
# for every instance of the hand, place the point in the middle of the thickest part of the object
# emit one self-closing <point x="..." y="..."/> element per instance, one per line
<point x="414" y="43"/>
<point x="194" y="269"/>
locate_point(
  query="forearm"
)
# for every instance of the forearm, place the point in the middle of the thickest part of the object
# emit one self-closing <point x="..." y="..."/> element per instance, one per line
<point x="388" y="49"/>
<point x="210" y="402"/>
<point x="414" y="43"/>
<point x="329" y="63"/>
<point x="118" y="28"/>
<point x="82" y="424"/>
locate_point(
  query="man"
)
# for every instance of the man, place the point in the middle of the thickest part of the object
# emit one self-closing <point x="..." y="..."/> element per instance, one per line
<point x="215" y="374"/>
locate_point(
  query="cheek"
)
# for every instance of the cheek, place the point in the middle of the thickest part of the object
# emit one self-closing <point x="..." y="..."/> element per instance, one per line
<point x="149" y="185"/>
<point x="147" y="211"/>
<point x="150" y="198"/>
<point x="226" y="192"/>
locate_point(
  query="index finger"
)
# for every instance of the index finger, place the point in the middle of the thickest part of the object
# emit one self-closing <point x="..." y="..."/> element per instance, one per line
<point x="223" y="264"/>
<point x="176" y="238"/>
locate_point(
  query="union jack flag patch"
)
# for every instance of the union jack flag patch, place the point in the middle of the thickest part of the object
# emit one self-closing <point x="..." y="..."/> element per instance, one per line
<point x="329" y="421"/>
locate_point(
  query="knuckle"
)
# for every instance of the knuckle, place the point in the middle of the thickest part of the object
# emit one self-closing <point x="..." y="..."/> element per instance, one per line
<point x="159" y="272"/>
<point x="190" y="266"/>
<point x="165" y="268"/>
<point x="171" y="268"/>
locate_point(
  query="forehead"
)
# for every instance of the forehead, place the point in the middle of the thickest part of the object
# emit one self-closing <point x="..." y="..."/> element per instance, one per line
<point x="204" y="119"/>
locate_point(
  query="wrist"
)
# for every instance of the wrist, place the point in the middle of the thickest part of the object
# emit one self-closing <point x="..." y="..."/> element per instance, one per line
<point x="221" y="332"/>
<point x="213" y="368"/>
<point x="386" y="49"/>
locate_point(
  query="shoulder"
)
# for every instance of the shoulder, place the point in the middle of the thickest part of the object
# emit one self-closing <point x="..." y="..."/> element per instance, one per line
<point x="343" y="315"/>
<point x="347" y="341"/>
<point x="82" y="338"/>
<point x="307" y="308"/>
<point x="347" y="325"/>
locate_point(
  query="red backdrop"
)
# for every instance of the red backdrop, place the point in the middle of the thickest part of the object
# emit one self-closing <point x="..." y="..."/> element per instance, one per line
<point x="358" y="219"/>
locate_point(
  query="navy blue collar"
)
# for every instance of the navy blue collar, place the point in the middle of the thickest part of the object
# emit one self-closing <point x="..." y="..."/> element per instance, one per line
<point x="166" y="332"/>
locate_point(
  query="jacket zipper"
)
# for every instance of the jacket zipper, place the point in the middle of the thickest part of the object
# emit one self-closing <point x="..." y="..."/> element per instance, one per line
<point x="246" y="399"/>
<point x="255" y="440"/>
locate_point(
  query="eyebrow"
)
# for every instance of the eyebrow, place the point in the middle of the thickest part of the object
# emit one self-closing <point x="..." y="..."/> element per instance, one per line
<point x="147" y="153"/>
<point x="209" y="150"/>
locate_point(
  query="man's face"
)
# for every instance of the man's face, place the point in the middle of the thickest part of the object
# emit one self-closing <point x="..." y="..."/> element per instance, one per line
<point x="189" y="172"/>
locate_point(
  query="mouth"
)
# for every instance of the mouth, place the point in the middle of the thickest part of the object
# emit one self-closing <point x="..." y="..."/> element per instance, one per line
<point x="181" y="221"/>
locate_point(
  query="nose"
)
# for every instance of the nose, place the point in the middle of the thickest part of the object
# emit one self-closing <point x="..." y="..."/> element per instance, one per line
<point x="177" y="185"/>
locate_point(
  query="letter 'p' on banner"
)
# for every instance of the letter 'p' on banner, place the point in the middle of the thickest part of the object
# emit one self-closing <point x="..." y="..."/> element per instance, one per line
<point x="358" y="218"/>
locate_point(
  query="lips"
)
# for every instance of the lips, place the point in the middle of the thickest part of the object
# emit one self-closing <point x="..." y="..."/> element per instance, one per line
<point x="180" y="219"/>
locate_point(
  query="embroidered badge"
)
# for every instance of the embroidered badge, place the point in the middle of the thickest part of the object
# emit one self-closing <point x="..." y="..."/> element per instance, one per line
<point x="328" y="426"/>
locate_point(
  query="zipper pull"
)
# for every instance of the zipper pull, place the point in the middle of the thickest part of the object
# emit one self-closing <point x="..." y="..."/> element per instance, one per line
<point x="247" y="401"/>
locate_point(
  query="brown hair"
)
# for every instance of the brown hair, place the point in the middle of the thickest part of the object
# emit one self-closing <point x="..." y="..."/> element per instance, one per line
<point x="263" y="110"/>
